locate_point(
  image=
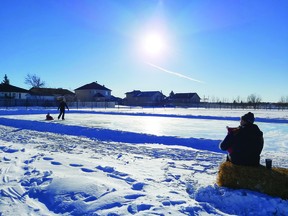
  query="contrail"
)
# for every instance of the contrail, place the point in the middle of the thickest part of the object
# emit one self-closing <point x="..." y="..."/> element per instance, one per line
<point x="174" y="73"/>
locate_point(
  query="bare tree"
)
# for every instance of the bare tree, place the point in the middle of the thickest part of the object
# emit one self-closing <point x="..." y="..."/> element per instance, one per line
<point x="283" y="102"/>
<point x="237" y="99"/>
<point x="284" y="99"/>
<point x="34" y="81"/>
<point x="254" y="100"/>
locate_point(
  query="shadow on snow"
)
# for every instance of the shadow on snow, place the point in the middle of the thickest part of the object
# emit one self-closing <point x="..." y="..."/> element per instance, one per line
<point x="112" y="135"/>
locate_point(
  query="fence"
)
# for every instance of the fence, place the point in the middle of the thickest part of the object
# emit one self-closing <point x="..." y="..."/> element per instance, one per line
<point x="7" y="102"/>
<point x="78" y="104"/>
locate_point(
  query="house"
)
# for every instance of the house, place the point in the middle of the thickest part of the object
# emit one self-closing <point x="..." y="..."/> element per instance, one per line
<point x="51" y="94"/>
<point x="184" y="99"/>
<point x="8" y="91"/>
<point x="93" y="92"/>
<point x="144" y="98"/>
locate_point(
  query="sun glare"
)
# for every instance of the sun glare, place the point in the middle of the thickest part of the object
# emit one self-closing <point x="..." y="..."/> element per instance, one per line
<point x="153" y="44"/>
<point x="152" y="125"/>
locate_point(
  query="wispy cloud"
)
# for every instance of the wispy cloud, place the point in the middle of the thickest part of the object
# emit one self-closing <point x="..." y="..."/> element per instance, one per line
<point x="173" y="73"/>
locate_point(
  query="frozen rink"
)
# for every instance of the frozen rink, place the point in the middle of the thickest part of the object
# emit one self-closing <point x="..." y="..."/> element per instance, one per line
<point x="184" y="123"/>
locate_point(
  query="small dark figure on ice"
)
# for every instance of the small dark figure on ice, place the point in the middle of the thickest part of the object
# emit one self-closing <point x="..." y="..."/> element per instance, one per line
<point x="62" y="107"/>
<point x="49" y="117"/>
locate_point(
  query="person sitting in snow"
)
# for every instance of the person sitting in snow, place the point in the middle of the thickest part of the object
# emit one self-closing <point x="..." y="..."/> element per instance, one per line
<point x="245" y="144"/>
<point x="49" y="117"/>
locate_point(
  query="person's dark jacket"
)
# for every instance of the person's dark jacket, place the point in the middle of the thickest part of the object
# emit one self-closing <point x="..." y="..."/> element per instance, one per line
<point x="62" y="106"/>
<point x="245" y="145"/>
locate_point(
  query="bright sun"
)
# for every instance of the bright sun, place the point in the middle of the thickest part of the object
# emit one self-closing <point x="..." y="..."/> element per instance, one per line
<point x="153" y="44"/>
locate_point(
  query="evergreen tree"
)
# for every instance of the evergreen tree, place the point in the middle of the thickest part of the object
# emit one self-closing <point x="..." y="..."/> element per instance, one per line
<point x="171" y="94"/>
<point x="5" y="80"/>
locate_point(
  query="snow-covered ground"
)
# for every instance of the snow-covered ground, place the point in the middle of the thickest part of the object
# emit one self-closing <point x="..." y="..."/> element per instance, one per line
<point x="129" y="162"/>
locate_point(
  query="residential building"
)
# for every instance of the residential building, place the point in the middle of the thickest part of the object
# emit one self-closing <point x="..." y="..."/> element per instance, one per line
<point x="8" y="91"/>
<point x="51" y="94"/>
<point x="93" y="92"/>
<point x="144" y="98"/>
<point x="184" y="99"/>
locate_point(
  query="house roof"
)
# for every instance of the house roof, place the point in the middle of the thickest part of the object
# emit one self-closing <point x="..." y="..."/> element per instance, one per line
<point x="11" y="88"/>
<point x="137" y="93"/>
<point x="50" y="91"/>
<point x="184" y="95"/>
<point x="94" y="86"/>
<point x="134" y="92"/>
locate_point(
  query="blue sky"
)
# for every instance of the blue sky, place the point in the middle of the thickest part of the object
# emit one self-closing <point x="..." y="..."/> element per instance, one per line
<point x="223" y="49"/>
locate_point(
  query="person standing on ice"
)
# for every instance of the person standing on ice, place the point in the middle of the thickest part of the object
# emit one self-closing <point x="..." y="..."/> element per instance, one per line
<point x="62" y="107"/>
<point x="244" y="144"/>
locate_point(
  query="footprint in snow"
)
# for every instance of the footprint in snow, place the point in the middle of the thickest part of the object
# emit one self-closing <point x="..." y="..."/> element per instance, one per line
<point x="138" y="186"/>
<point x="108" y="169"/>
<point x="171" y="202"/>
<point x="6" y="159"/>
<point x="87" y="170"/>
<point x="133" y="209"/>
<point x="115" y="174"/>
<point x="29" y="161"/>
<point x="128" y="179"/>
<point x="55" y="163"/>
<point x="48" y="158"/>
<point x="75" y="165"/>
<point x="8" y="150"/>
<point x="133" y="196"/>
<point x="90" y="199"/>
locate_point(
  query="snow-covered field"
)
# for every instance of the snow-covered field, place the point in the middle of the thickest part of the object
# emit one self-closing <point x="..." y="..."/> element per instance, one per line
<point x="129" y="162"/>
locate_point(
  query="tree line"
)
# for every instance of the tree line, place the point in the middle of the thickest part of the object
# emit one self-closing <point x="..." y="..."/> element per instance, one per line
<point x="31" y="80"/>
<point x="253" y="100"/>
